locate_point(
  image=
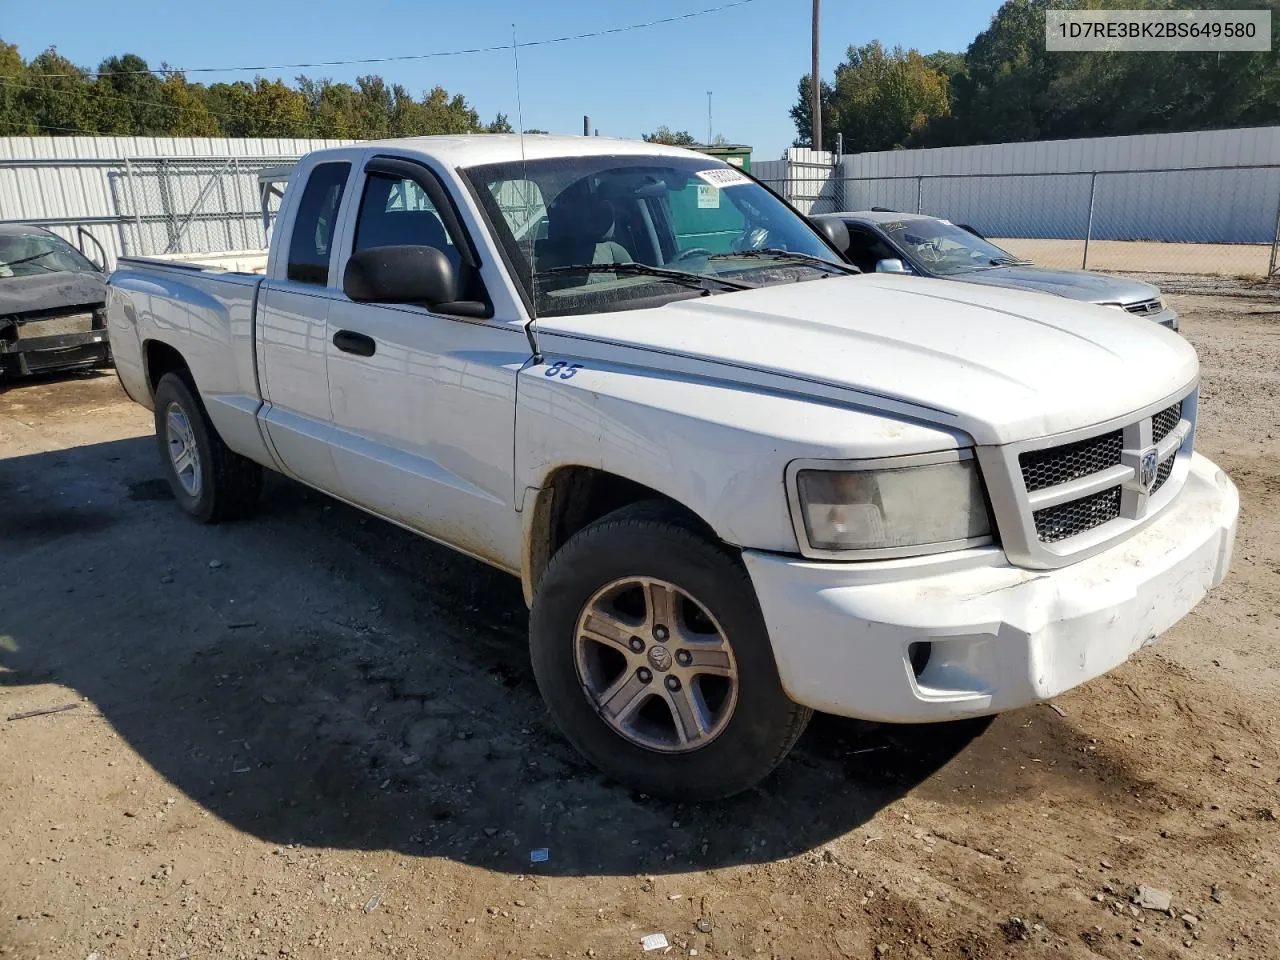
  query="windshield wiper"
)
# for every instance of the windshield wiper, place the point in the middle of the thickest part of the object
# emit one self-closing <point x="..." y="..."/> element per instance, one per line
<point x="786" y="255"/>
<point x="34" y="256"/>
<point x="699" y="280"/>
<point x="1009" y="262"/>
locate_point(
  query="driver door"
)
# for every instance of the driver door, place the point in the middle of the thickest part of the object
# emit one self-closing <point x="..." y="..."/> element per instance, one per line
<point x="424" y="403"/>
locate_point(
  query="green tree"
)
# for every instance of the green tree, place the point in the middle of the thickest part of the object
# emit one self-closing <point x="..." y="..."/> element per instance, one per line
<point x="16" y="118"/>
<point x="187" y="109"/>
<point x="802" y="113"/>
<point x="127" y="98"/>
<point x="879" y="100"/>
<point x="500" y="124"/>
<point x="59" y="100"/>
<point x="677" y="138"/>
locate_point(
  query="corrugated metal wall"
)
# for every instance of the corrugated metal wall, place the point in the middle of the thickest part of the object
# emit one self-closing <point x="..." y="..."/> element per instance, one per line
<point x="803" y="176"/>
<point x="143" y="195"/>
<point x="1151" y="187"/>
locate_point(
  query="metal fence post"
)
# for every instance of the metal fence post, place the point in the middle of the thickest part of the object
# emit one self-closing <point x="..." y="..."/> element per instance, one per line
<point x="1088" y="230"/>
<point x="919" y="192"/>
<point x="1275" y="245"/>
<point x="137" y="211"/>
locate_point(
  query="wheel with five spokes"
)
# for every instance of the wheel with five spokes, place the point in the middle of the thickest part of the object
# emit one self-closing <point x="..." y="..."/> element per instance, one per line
<point x="650" y="650"/>
<point x="209" y="480"/>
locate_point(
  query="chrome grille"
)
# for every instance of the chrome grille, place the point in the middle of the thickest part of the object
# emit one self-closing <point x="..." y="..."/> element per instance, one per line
<point x="1076" y="516"/>
<point x="1162" y="473"/>
<point x="1162" y="423"/>
<point x="1048" y="468"/>
<point x="1144" y="307"/>
<point x="1077" y="486"/>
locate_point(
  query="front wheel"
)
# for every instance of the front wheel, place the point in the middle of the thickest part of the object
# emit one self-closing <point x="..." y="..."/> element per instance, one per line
<point x="651" y="653"/>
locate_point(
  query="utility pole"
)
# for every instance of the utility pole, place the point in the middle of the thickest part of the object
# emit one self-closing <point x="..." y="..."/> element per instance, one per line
<point x="710" y="135"/>
<point x="815" y="92"/>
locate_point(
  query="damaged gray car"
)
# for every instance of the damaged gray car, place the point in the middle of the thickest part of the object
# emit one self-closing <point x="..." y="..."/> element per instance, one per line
<point x="52" y="314"/>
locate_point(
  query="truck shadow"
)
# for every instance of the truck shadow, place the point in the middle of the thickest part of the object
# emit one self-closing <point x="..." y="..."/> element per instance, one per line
<point x="315" y="676"/>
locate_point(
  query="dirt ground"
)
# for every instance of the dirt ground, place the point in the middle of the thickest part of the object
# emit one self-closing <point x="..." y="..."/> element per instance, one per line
<point x="1221" y="259"/>
<point x="239" y="777"/>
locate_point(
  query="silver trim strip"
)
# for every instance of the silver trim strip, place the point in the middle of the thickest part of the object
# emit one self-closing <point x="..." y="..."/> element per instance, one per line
<point x="1082" y="487"/>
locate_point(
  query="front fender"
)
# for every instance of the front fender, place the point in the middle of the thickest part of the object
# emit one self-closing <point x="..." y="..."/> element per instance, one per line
<point x="716" y="446"/>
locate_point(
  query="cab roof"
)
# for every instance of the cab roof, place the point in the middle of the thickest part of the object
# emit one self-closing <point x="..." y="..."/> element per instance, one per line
<point x="470" y="150"/>
<point x="875" y="216"/>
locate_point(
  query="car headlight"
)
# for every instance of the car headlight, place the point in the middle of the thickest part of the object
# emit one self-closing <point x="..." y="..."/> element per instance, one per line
<point x="889" y="507"/>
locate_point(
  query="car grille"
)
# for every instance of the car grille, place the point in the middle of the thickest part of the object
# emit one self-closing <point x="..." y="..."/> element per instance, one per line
<point x="1162" y="474"/>
<point x="1056" y="519"/>
<point x="1162" y="423"/>
<point x="55" y="326"/>
<point x="1048" y="468"/>
<point x="1145" y="307"/>
<point x="1076" y="516"/>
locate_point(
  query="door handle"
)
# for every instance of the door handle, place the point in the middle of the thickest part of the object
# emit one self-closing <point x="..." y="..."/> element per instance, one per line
<point x="348" y="341"/>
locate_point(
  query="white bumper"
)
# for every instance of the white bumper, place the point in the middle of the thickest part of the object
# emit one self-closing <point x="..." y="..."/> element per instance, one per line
<point x="1001" y="636"/>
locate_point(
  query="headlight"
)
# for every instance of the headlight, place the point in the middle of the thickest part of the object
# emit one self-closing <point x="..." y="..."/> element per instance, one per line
<point x="890" y="510"/>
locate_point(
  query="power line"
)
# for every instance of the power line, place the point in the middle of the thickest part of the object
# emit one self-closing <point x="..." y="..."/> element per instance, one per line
<point x="417" y="56"/>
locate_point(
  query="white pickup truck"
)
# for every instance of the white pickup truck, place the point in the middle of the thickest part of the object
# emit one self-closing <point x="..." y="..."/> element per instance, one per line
<point x="738" y="481"/>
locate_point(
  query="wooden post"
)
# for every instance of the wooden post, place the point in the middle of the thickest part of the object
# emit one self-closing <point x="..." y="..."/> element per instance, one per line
<point x="815" y="94"/>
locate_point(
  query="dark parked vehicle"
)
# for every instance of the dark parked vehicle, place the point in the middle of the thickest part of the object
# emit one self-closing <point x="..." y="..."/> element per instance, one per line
<point x="52" y="314"/>
<point x="887" y="241"/>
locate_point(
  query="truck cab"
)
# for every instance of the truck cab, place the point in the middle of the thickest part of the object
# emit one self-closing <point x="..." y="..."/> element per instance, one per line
<point x="738" y="480"/>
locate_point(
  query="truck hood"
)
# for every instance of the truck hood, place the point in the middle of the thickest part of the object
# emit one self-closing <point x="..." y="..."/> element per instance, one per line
<point x="50" y="291"/>
<point x="1000" y="365"/>
<point x="1073" y="284"/>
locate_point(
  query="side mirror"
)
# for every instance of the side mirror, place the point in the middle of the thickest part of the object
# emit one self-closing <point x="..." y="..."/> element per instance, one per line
<point x="405" y="274"/>
<point x="891" y="265"/>
<point x="834" y="232"/>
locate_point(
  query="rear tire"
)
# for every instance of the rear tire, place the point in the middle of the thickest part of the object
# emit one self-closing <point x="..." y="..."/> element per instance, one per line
<point x="209" y="481"/>
<point x="688" y="641"/>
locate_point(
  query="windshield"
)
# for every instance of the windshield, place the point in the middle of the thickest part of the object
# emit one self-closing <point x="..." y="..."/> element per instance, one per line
<point x="684" y="226"/>
<point x="944" y="248"/>
<point x="37" y="252"/>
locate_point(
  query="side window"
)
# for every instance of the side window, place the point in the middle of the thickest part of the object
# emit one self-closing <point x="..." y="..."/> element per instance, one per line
<point x="866" y="249"/>
<point x="316" y="222"/>
<point x="395" y="212"/>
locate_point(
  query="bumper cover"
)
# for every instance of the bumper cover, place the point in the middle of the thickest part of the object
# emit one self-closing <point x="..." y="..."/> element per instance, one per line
<point x="999" y="636"/>
<point x="36" y="354"/>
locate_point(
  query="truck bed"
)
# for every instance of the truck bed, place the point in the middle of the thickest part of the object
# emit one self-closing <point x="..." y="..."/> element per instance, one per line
<point x="210" y="310"/>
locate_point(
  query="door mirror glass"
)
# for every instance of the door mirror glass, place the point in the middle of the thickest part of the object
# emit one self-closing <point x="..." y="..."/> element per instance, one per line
<point x="400" y="274"/>
<point x="891" y="265"/>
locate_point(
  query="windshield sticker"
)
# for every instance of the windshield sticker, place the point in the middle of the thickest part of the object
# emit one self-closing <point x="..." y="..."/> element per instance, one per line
<point x="708" y="197"/>
<point x="723" y="177"/>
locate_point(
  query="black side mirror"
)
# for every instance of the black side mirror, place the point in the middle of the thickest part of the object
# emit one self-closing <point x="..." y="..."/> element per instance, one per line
<point x="405" y="274"/>
<point x="834" y="231"/>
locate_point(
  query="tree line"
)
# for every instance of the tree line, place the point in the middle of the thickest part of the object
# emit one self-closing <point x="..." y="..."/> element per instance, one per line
<point x="51" y="95"/>
<point x="1006" y="88"/>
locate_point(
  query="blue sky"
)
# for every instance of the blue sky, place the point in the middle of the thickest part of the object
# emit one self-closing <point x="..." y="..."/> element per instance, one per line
<point x="751" y="57"/>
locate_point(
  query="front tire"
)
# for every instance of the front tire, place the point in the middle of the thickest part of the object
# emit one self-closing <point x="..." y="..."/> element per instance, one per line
<point x="650" y="650"/>
<point x="209" y="481"/>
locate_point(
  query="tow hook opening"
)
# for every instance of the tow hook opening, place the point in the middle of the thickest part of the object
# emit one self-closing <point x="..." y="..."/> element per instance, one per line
<point x="918" y="653"/>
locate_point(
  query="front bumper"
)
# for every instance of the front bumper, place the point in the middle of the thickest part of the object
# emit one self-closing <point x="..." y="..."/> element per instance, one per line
<point x="56" y="352"/>
<point x="1168" y="317"/>
<point x="999" y="636"/>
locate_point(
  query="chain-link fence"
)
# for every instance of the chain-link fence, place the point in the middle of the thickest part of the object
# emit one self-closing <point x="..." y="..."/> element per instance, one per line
<point x="1221" y="221"/>
<point x="144" y="206"/>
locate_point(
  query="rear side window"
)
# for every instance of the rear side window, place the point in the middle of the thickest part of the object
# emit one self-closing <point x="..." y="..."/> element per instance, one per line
<point x="316" y="222"/>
